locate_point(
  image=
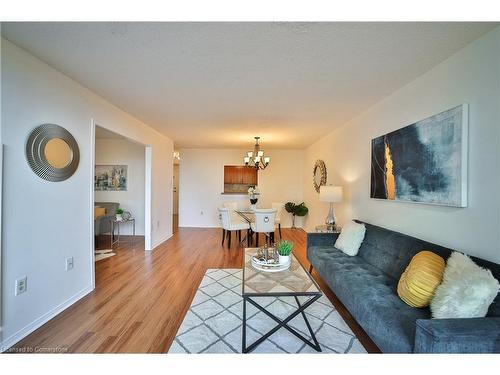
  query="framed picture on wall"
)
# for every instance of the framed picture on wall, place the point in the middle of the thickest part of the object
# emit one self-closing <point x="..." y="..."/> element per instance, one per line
<point x="110" y="178"/>
<point x="425" y="162"/>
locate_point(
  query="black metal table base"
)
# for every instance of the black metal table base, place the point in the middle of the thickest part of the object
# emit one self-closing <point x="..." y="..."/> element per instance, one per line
<point x="281" y="324"/>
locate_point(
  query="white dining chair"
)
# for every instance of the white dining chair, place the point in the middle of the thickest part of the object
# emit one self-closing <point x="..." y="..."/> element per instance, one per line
<point x="264" y="223"/>
<point x="229" y="225"/>
<point x="233" y="206"/>
<point x="277" y="221"/>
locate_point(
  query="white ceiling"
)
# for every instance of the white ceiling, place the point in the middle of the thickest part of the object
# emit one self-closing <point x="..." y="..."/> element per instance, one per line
<point x="220" y="84"/>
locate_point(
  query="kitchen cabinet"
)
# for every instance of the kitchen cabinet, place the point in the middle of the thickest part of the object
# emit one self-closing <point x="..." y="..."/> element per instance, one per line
<point x="238" y="178"/>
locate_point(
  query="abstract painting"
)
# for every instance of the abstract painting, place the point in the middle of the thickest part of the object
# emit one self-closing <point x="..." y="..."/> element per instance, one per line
<point x="110" y="178"/>
<point x="425" y="162"/>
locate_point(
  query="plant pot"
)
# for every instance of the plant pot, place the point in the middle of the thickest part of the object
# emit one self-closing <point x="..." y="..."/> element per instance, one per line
<point x="284" y="259"/>
<point x="118" y="217"/>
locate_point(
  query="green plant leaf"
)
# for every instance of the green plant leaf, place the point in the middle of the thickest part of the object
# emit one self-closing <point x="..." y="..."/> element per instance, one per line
<point x="285" y="247"/>
<point x="290" y="207"/>
<point x="301" y="209"/>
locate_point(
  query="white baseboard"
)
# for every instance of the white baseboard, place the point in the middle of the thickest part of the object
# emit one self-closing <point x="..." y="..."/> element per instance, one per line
<point x="162" y="240"/>
<point x="37" y="323"/>
<point x="219" y="227"/>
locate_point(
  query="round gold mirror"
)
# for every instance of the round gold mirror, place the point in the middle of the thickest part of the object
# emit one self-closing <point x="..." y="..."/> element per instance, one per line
<point x="58" y="153"/>
<point x="319" y="174"/>
<point x="52" y="152"/>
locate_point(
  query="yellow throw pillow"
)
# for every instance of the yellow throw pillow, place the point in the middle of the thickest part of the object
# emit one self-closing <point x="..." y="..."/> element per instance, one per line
<point x="99" y="211"/>
<point x="421" y="278"/>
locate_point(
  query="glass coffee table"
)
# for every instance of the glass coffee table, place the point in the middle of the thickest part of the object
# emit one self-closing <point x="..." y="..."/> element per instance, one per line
<point x="293" y="282"/>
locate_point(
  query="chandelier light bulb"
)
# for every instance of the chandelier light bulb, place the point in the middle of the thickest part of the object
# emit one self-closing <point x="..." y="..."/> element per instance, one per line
<point x="256" y="159"/>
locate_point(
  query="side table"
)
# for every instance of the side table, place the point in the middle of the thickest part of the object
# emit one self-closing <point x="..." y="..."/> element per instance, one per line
<point x="328" y="229"/>
<point x="118" y="223"/>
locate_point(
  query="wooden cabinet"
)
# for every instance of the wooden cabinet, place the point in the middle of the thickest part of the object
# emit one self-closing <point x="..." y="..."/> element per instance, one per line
<point x="238" y="178"/>
<point x="249" y="176"/>
<point x="232" y="175"/>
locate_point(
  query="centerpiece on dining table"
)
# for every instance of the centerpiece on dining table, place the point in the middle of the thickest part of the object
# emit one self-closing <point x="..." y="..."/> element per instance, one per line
<point x="273" y="259"/>
<point x="253" y="192"/>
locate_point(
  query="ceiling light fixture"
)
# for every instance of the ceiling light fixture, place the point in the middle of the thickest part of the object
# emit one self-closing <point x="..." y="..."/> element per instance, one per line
<point x="256" y="157"/>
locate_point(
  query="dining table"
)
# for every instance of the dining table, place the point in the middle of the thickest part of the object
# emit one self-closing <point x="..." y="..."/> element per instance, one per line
<point x="249" y="216"/>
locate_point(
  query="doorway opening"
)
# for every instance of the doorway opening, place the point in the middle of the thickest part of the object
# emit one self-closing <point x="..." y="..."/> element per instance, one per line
<point x="175" y="193"/>
<point x="121" y="192"/>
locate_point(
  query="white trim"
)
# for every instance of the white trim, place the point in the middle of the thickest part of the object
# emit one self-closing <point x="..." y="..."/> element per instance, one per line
<point x="37" y="323"/>
<point x="147" y="198"/>
<point x="159" y="242"/>
<point x="92" y="200"/>
<point x="288" y="226"/>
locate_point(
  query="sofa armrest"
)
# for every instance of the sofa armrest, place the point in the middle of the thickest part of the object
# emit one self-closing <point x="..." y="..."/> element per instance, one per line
<point x="473" y="335"/>
<point x="102" y="224"/>
<point x="321" y="239"/>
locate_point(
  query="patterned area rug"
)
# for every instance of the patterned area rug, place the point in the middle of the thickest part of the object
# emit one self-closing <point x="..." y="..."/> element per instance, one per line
<point x="213" y="323"/>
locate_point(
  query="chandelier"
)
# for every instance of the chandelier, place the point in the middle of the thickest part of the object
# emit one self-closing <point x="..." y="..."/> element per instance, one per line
<point x="256" y="157"/>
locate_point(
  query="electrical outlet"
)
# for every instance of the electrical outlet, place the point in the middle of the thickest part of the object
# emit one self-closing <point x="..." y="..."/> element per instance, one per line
<point x="69" y="263"/>
<point x="21" y="285"/>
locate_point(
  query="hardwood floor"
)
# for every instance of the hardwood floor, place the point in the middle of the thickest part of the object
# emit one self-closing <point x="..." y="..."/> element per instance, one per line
<point x="141" y="297"/>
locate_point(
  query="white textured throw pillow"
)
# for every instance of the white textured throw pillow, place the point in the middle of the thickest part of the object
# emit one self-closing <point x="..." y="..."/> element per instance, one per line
<point x="350" y="238"/>
<point x="467" y="290"/>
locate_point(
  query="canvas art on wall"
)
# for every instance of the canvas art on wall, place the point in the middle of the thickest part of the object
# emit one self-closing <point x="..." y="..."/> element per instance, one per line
<point x="425" y="162"/>
<point x="110" y="178"/>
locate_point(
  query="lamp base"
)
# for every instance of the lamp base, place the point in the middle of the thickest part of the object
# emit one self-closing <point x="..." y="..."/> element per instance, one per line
<point x="330" y="219"/>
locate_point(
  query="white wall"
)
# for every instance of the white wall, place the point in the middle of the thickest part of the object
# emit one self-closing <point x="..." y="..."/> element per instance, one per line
<point x="471" y="76"/>
<point x="123" y="152"/>
<point x="46" y="222"/>
<point x="202" y="182"/>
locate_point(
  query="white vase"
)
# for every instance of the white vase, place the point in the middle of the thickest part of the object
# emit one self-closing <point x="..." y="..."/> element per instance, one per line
<point x="118" y="217"/>
<point x="284" y="259"/>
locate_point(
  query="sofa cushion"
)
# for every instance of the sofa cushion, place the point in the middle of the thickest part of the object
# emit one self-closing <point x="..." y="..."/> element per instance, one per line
<point x="420" y="279"/>
<point x="99" y="211"/>
<point x="467" y="290"/>
<point x="350" y="238"/>
<point x="391" y="251"/>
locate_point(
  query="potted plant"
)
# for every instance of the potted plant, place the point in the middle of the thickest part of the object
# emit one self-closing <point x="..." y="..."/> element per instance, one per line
<point x="284" y="248"/>
<point x="119" y="212"/>
<point x="296" y="210"/>
<point x="253" y="191"/>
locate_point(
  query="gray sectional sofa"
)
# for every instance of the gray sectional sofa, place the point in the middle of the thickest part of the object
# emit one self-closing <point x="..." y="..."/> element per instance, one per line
<point x="366" y="285"/>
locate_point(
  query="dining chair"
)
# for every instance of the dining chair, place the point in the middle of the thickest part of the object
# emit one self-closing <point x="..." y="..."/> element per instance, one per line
<point x="229" y="225"/>
<point x="233" y="206"/>
<point x="277" y="221"/>
<point x="264" y="223"/>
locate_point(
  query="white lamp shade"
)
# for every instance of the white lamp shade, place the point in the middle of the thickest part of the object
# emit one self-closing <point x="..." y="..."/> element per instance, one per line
<point x="330" y="193"/>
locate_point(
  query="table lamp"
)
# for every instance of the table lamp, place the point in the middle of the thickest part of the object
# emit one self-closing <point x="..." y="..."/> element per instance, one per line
<point x="332" y="194"/>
